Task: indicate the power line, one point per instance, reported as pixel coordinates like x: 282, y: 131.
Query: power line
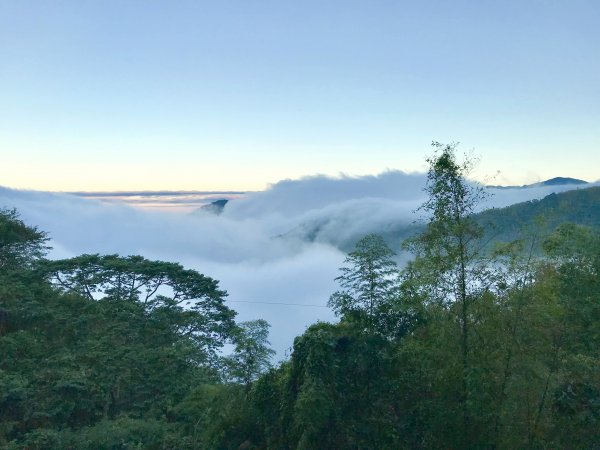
x: 278, y: 303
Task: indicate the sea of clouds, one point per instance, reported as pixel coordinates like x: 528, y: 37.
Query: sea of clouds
x: 280, y: 245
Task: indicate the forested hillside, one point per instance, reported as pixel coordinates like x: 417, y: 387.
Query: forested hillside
x: 469, y: 346
x: 580, y: 206
x: 104, y: 351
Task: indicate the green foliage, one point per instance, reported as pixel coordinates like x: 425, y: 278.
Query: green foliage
x: 574, y: 406
x: 579, y: 206
x: 67, y: 361
x: 191, y: 302
x: 119, y: 434
x: 445, y: 252
x: 448, y: 268
x: 336, y: 392
x: 103, y: 360
x: 20, y: 245
x: 252, y: 355
x: 370, y: 295
x: 219, y: 417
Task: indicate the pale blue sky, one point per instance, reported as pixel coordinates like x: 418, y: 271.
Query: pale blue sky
x: 231, y: 95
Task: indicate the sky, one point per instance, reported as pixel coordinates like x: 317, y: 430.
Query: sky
x: 236, y: 95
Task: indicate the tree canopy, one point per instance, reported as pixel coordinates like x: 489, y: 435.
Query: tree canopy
x: 20, y: 244
x: 193, y: 301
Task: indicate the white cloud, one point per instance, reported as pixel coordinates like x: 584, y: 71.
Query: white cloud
x: 241, y: 247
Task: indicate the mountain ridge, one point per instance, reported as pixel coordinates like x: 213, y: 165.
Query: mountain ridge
x: 556, y: 181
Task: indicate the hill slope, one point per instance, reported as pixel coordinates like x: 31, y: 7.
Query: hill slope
x: 581, y: 206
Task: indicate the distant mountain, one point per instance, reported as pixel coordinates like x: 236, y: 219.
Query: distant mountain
x: 215, y: 207
x: 557, y: 181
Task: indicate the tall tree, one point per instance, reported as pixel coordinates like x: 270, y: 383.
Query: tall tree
x: 449, y: 267
x: 369, y: 283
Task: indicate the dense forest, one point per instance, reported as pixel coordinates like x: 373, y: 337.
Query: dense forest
x: 468, y: 346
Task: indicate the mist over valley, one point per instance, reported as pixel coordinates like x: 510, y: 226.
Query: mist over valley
x: 271, y: 250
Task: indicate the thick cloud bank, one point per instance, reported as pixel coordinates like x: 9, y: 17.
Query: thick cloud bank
x: 338, y: 211
x: 275, y: 246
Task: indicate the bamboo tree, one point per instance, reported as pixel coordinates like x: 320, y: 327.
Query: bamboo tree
x: 449, y: 265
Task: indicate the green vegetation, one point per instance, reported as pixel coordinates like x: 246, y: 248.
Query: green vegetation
x: 581, y: 206
x: 466, y: 347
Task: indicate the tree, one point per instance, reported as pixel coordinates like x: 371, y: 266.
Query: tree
x: 193, y: 301
x: 369, y: 283
x: 449, y: 267
x: 20, y: 244
x: 251, y: 356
